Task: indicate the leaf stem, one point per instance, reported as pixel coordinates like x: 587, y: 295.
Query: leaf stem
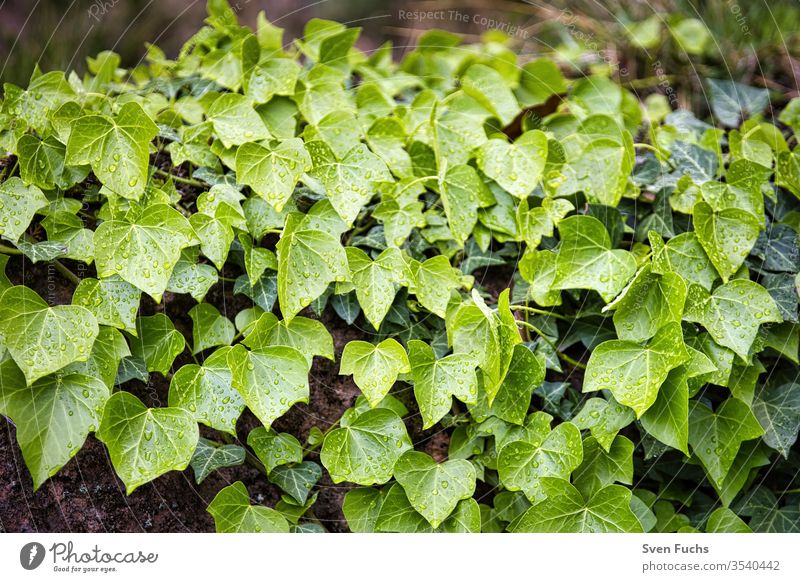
x: 187, y: 181
x: 539, y: 311
x: 550, y: 342
x: 66, y: 273
x: 6, y: 250
x: 646, y: 146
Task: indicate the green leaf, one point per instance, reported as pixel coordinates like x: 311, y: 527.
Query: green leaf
x: 18, y: 204
x: 215, y: 235
x: 727, y: 236
x: 600, y: 467
x: 365, y: 450
x: 543, y: 453
x: 634, y: 372
x: 585, y: 259
x: 715, y: 437
x: 206, y: 391
x: 108, y: 350
x: 210, y: 328
x: 668, y: 418
x: 235, y: 121
x: 270, y: 379
x: 732, y: 102
x: 361, y: 508
x: 488, y: 88
x: 111, y: 300
x: 462, y: 192
x: 158, y: 343
x: 117, y: 148
x: 41, y: 163
x: 567, y: 511
x: 310, y: 257
x: 526, y: 372
x: 144, y: 443
x: 433, y: 282
x: 296, y: 480
x: 684, y: 255
x: 434, y: 489
x: 649, y: 303
x: 43, y: 339
x: 272, y: 172
x: 604, y: 419
x: 733, y: 313
x: 374, y: 367
x: 53, y: 416
x: 273, y: 448
x: 777, y: 409
x: 723, y: 520
x: 538, y: 81
x: 518, y: 166
x: 376, y: 282
x: 210, y: 457
x: 233, y: 513
x: 308, y: 336
x: 143, y: 251
x: 437, y: 381
x: 349, y: 183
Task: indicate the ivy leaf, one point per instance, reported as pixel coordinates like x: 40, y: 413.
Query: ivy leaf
x: 310, y: 257
x: 235, y: 121
x: 731, y: 102
x: 566, y: 511
x: 349, y: 183
x: 111, y: 300
x: 210, y: 457
x: 273, y: 448
x: 53, y: 416
x: 270, y: 379
x: 715, y: 437
x: 668, y: 418
x: 517, y: 167
x: 41, y: 163
x: 297, y: 480
x: 233, y: 513
x: 144, y: 443
x: 650, y: 302
x: 117, y: 148
x: 727, y: 236
x: 143, y: 251
x: 604, y: 419
x: 600, y: 467
x: 437, y: 381
x: 19, y: 204
x: 108, y: 350
x: 732, y: 313
x: 600, y: 169
x: 777, y: 409
x: 526, y: 372
x: 544, y: 453
x: 585, y: 259
x: 158, y: 343
x: 432, y: 283
x: 488, y: 88
x: 365, y: 450
x: 374, y: 367
x: 361, y: 508
x: 308, y: 336
x: 192, y: 277
x: 272, y: 172
x: 210, y: 328
x: 723, y: 520
x: 462, y: 192
x: 684, y: 255
x: 376, y: 281
x: 43, y: 339
x: 434, y: 489
x: 215, y: 235
x: 634, y: 372
x: 206, y: 391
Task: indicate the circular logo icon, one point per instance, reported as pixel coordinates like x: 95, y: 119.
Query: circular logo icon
x: 31, y: 555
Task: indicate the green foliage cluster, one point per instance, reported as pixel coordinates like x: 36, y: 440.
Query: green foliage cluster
x: 639, y: 374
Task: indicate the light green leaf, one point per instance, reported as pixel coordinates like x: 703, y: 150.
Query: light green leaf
x: 488, y: 88
x: 270, y: 379
x: 108, y: 350
x: 723, y: 520
x: 18, y: 205
x: 53, y: 416
x: 600, y: 467
x: 434, y: 489
x: 585, y: 259
x: 566, y: 511
x: 273, y: 448
x: 715, y: 437
x: 158, y: 343
x: 668, y: 418
x: 517, y: 167
x: 374, y: 367
x: 297, y: 480
x: 272, y: 172
x: 365, y: 450
x: 634, y: 372
x: 437, y: 381
x: 210, y: 328
x: 726, y: 236
x: 215, y: 235
x: 361, y: 508
x: 604, y: 419
x: 233, y: 513
x: 143, y: 251
x: 43, y: 339
x: 206, y: 391
x: 111, y: 300
x: 732, y: 313
x: 376, y: 282
x: 41, y: 163
x: 777, y: 409
x: 144, y: 443
x: 235, y: 121
x: 433, y: 282
x: 684, y: 255
x: 117, y: 148
x: 209, y: 457
x: 462, y: 192
x: 544, y: 453
x: 308, y: 336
